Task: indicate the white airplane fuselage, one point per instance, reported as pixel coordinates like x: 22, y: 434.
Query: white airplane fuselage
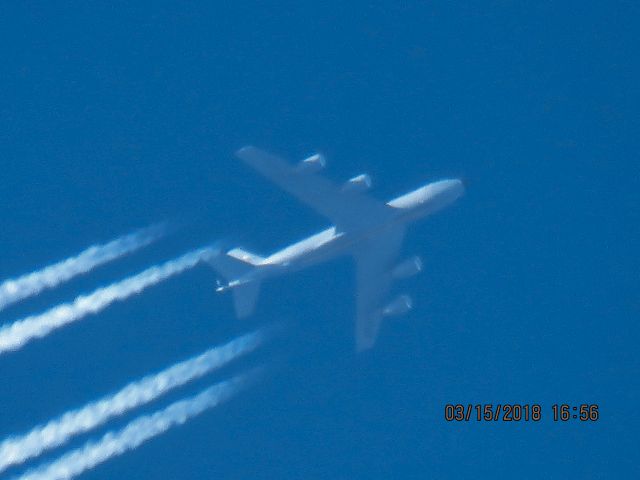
x: 332, y: 242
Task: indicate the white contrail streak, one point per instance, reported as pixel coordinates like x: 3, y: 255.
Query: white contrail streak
x: 17, y: 449
x: 14, y: 290
x: 137, y: 432
x: 17, y: 334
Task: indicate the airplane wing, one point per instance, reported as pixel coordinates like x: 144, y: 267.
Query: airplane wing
x: 347, y: 209
x: 374, y: 263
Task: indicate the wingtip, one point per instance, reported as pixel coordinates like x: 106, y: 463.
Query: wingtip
x: 221, y: 286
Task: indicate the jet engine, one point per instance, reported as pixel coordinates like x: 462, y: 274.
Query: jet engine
x: 313, y: 164
x: 359, y: 183
x: 407, y: 268
x: 399, y: 306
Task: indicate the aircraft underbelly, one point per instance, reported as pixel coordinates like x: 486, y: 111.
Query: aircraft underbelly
x: 317, y: 250
x: 318, y: 253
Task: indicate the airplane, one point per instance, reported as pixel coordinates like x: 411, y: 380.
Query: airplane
x: 368, y: 229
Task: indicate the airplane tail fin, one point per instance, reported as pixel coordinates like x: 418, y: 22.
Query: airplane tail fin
x: 236, y: 266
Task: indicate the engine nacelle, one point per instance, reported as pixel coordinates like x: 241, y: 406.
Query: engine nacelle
x: 408, y: 268
x: 359, y: 183
x: 313, y: 164
x: 399, y: 306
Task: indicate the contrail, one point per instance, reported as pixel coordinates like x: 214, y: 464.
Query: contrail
x: 17, y: 334
x: 140, y: 430
x: 12, y: 291
x: 58, y: 431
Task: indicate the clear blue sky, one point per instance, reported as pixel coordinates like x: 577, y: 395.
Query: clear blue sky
x: 114, y: 116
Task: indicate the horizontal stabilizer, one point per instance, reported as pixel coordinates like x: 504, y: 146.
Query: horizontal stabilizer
x: 235, y: 264
x: 245, y: 256
x: 245, y: 297
x: 236, y: 267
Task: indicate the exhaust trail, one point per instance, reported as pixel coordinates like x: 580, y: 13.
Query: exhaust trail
x: 20, y: 332
x: 14, y: 290
x: 140, y: 430
x: 17, y: 449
